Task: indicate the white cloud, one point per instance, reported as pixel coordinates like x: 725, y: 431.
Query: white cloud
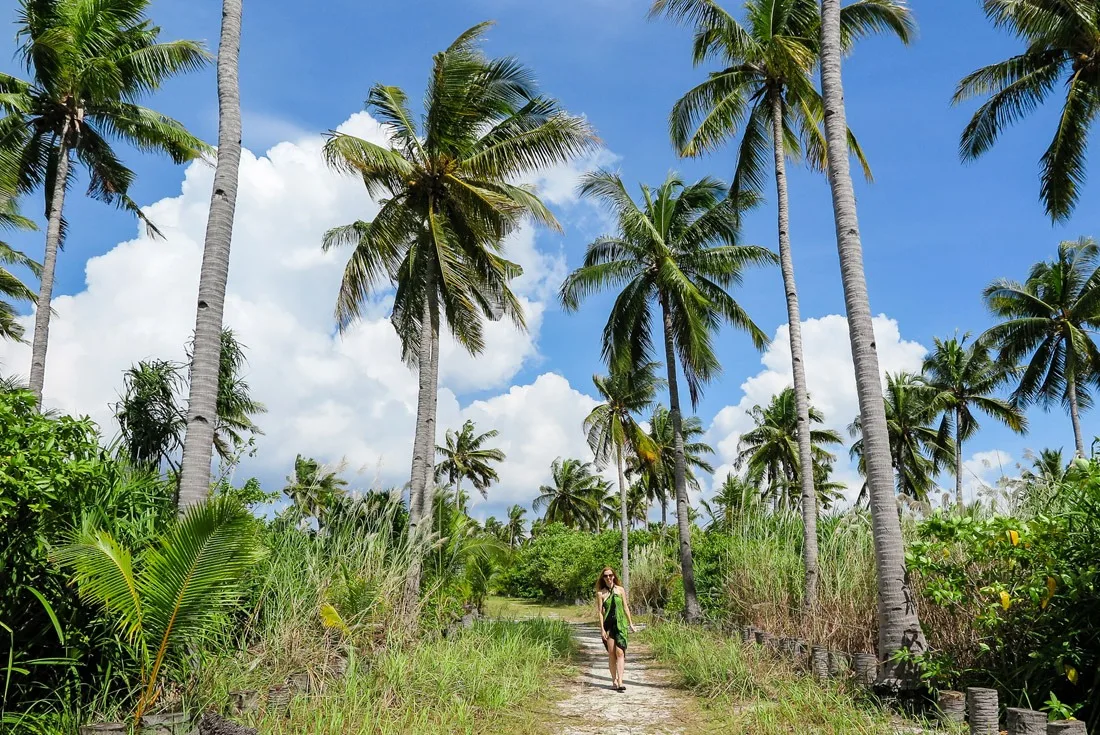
x: 333, y: 397
x: 830, y: 378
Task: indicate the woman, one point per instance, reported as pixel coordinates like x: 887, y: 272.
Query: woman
x: 615, y: 620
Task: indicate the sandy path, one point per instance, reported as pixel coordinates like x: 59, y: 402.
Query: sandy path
x: 651, y: 704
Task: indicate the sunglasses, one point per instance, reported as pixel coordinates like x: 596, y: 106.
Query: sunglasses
x: 609, y: 574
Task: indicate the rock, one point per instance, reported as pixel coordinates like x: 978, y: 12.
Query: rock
x: 212, y: 724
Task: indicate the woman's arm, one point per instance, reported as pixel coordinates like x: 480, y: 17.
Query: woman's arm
x: 599, y: 616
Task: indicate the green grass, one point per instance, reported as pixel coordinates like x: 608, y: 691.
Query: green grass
x: 510, y: 608
x: 747, y: 690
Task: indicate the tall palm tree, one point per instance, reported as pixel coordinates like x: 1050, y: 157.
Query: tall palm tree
x: 1061, y: 56
x: 202, y: 404
x: 1047, y: 322
x: 10, y: 285
x: 966, y: 377
x: 313, y: 489
x: 676, y: 252
x: 771, y: 451
x: 766, y: 91
x: 898, y: 621
x: 89, y: 62
x: 465, y: 457
x: 657, y: 477
x: 613, y: 432
x: 513, y: 527
x: 918, y: 448
x: 572, y: 498
x: 447, y: 204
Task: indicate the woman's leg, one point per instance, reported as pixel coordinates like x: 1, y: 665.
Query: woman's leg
x: 620, y: 664
x: 612, y: 664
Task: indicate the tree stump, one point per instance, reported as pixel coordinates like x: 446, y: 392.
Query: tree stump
x: 748, y: 635
x: 278, y: 698
x: 212, y: 724
x: 244, y: 701
x: 1067, y: 727
x: 763, y: 637
x: 105, y: 728
x: 168, y: 723
x: 298, y: 681
x: 819, y: 662
x: 951, y: 706
x: 1025, y: 721
x: 982, y: 706
x: 865, y: 668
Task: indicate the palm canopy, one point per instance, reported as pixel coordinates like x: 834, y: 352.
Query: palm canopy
x: 656, y: 476
x: 770, y: 450
x: 313, y: 489
x: 676, y: 249
x: 576, y: 496
x: 10, y: 285
x: 465, y: 457
x: 514, y: 526
x: 769, y: 60
x: 611, y: 426
x: 446, y: 192
x: 918, y: 450
x: 1061, y: 57
x: 90, y: 60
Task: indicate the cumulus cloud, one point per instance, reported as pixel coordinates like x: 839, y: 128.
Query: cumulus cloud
x: 330, y: 396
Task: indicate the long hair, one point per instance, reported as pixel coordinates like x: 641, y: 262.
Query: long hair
x: 601, y: 585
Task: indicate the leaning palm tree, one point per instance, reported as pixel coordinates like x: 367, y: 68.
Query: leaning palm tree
x: 1047, y: 321
x: 676, y: 252
x: 313, y: 489
x: 898, y: 622
x: 513, y: 527
x: 89, y: 62
x: 1061, y: 56
x: 966, y: 377
x: 448, y: 201
x: 766, y: 93
x: 465, y: 457
x: 613, y: 433
x: 11, y: 287
x: 571, y: 499
x: 203, y: 404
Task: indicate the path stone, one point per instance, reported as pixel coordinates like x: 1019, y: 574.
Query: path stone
x: 651, y: 704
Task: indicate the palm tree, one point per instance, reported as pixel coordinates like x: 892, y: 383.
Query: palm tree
x: 966, y: 377
x: 1062, y: 52
x: 89, y: 62
x: 10, y: 285
x: 733, y: 495
x: 513, y: 528
x: 572, y: 498
x: 1050, y: 317
x: 898, y: 622
x: 767, y: 91
x: 447, y: 204
x: 466, y: 457
x: 676, y: 252
x: 657, y: 477
x: 771, y: 451
x: 613, y: 432
x: 918, y: 448
x: 313, y: 489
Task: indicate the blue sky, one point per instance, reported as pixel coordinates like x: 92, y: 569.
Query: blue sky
x: 935, y: 231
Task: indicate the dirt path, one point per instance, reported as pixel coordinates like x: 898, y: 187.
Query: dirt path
x: 651, y: 704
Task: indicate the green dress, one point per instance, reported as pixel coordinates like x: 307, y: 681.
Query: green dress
x: 614, y: 619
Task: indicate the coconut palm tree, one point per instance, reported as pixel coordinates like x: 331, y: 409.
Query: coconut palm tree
x: 313, y: 489
x: 613, y: 433
x: 966, y: 377
x: 89, y: 62
x: 572, y: 499
x: 918, y: 448
x: 657, y: 477
x: 676, y: 252
x: 202, y: 403
x: 1048, y: 322
x: 733, y: 495
x: 10, y: 285
x: 766, y: 93
x: 1061, y: 56
x: 465, y: 457
x: 513, y: 527
x: 447, y: 204
x: 898, y: 621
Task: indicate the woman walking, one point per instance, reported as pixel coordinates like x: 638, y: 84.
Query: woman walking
x: 615, y: 620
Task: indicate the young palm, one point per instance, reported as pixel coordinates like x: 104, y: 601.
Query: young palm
x: 771, y: 451
x: 10, y: 285
x: 89, y: 60
x: 918, y: 448
x: 571, y: 499
x: 613, y: 433
x: 513, y: 528
x: 1047, y: 322
x: 465, y: 457
x: 966, y: 376
x: 766, y: 93
x: 898, y: 622
x: 1061, y: 56
x: 677, y: 252
x: 447, y: 204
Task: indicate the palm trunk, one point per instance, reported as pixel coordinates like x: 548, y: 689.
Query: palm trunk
x: 1074, y: 414
x: 458, y: 495
x: 664, y: 511
x: 623, y: 516
x: 433, y: 384
x: 202, y: 402
x: 958, y: 459
x: 898, y: 624
x: 49, y: 267
x: 692, y: 611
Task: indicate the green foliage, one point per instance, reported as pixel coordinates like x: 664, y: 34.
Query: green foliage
x: 10, y: 285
